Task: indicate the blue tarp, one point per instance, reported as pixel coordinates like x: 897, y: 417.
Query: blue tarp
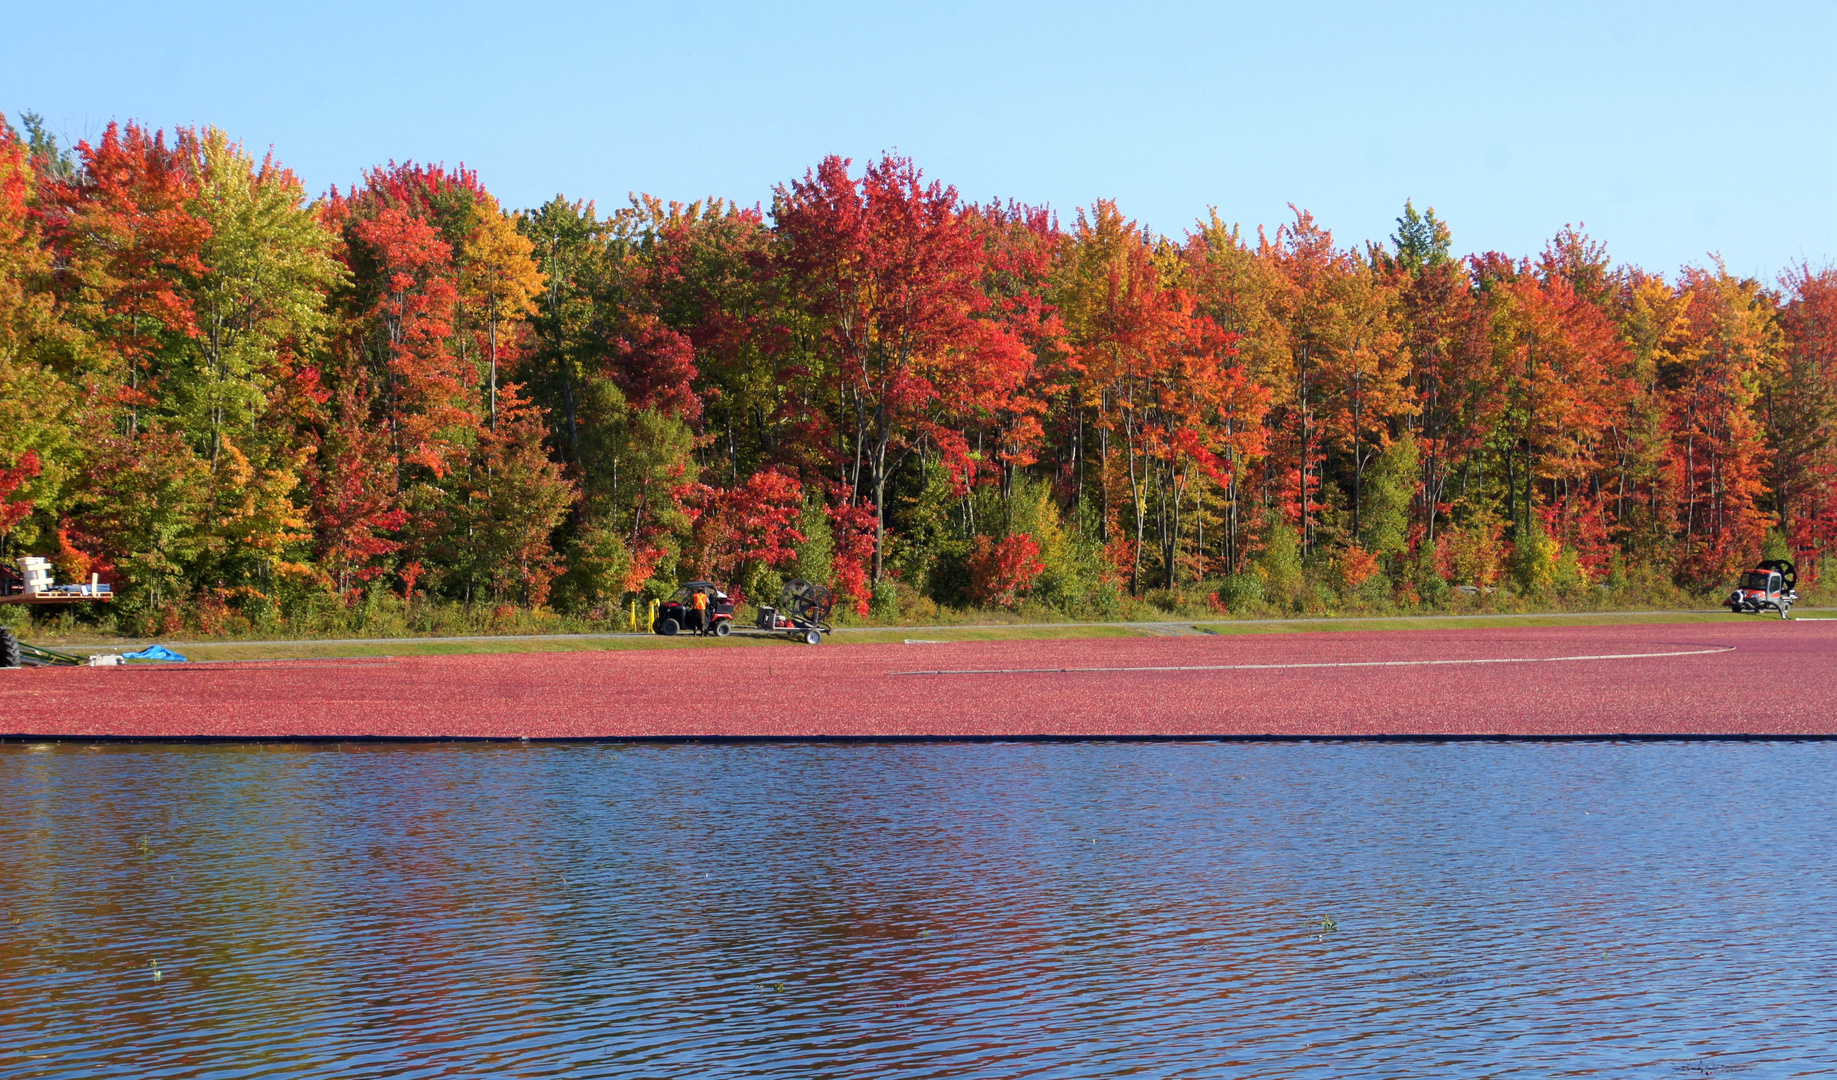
x: 155, y: 652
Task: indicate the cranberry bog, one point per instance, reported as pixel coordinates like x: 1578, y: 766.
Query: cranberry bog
x: 1760, y: 678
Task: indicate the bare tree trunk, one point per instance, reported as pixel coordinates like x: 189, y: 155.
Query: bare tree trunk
x: 494, y: 366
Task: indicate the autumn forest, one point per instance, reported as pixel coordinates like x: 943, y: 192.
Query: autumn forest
x: 251, y: 406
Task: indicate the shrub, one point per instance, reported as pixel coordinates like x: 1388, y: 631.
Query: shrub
x: 1375, y: 590
x: 915, y: 606
x: 1279, y: 563
x: 599, y: 566
x: 1569, y: 575
x: 1472, y: 553
x: 1002, y: 570
x: 1239, y: 591
x: 885, y: 602
x: 1533, y: 560
x: 1430, y: 587
x: 1354, y: 566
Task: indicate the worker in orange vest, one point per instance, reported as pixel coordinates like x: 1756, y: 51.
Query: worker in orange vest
x: 700, y: 600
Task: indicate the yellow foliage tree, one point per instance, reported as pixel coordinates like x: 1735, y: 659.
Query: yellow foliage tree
x: 499, y: 279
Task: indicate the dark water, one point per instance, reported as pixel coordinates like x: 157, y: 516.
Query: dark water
x: 919, y: 910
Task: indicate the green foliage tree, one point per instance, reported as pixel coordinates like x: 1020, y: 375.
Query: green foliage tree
x: 816, y: 550
x: 638, y: 469
x: 140, y: 504
x: 1390, y: 490
x: 1422, y: 241
x: 1279, y: 564
x: 506, y: 502
x: 259, y: 300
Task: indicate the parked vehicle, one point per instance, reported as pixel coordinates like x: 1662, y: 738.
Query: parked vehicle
x: 1770, y: 587
x: 678, y: 613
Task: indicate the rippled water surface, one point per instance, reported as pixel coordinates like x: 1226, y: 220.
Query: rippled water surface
x: 998, y: 910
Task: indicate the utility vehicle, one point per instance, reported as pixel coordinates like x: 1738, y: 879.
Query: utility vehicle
x: 678, y: 613
x: 1770, y: 587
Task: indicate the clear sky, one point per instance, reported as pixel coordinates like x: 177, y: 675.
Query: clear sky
x: 1671, y: 129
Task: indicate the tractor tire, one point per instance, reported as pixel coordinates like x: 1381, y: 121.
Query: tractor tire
x: 722, y: 629
x: 667, y: 627
x: 9, y: 649
x: 813, y: 637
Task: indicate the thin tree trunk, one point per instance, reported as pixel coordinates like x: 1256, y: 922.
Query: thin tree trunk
x: 494, y: 367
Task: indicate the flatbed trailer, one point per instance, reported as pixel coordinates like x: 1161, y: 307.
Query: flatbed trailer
x: 60, y: 597
x: 32, y: 584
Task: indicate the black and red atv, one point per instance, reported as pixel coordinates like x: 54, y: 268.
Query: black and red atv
x: 679, y: 613
x: 1771, y: 586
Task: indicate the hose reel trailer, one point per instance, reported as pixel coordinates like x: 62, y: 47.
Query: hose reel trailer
x: 802, y: 611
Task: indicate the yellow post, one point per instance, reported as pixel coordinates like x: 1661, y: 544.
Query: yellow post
x: 652, y: 625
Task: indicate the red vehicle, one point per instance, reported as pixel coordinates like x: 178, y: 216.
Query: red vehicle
x: 1771, y: 586
x: 678, y: 613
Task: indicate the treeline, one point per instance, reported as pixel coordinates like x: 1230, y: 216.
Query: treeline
x: 239, y: 402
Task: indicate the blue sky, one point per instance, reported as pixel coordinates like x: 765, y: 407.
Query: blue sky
x: 1672, y: 130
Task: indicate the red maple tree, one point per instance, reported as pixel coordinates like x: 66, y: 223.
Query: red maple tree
x: 891, y: 267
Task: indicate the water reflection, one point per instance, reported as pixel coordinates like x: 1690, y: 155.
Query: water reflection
x: 1196, y: 910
